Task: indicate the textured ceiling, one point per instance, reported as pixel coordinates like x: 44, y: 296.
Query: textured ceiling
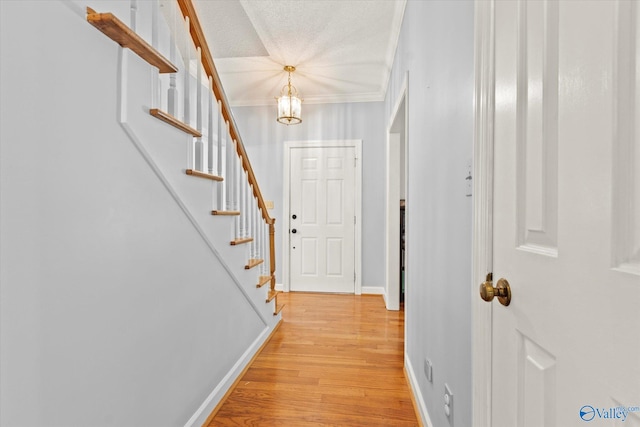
x: 342, y: 49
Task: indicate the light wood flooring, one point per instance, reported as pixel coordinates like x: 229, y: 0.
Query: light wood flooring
x: 335, y: 360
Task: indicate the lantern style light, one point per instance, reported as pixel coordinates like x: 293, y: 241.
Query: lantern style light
x: 289, y: 104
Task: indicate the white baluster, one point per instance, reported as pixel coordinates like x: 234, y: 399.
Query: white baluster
x: 252, y: 221
x: 155, y: 8
x: 155, y: 94
x: 229, y: 176
x: 235, y: 178
x: 258, y: 232
x: 228, y: 173
x: 237, y: 175
x: 210, y: 140
x: 265, y: 252
x: 238, y: 191
x: 262, y: 248
x: 223, y: 138
x: 247, y: 217
x: 254, y: 227
x: 259, y: 254
x: 172, y: 96
x: 134, y: 13
x: 187, y: 73
x: 245, y: 210
x: 199, y: 155
x: 243, y: 205
x: 220, y: 160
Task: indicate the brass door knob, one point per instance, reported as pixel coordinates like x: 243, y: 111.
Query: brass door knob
x: 502, y: 290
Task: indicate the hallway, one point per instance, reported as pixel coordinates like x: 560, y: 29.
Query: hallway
x: 335, y: 360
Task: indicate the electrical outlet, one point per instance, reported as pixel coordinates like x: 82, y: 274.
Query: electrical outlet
x: 448, y: 402
x: 428, y: 370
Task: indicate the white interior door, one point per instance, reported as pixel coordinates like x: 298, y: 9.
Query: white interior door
x: 322, y: 219
x: 566, y: 214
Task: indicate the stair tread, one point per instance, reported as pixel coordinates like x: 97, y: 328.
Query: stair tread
x: 278, y: 309
x: 225, y: 213
x: 173, y: 121
x: 263, y: 280
x: 241, y: 241
x: 117, y: 31
x: 271, y: 295
x: 205, y: 175
x: 253, y: 262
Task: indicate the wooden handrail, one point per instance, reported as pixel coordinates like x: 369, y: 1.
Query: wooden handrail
x: 197, y: 34
x: 117, y: 31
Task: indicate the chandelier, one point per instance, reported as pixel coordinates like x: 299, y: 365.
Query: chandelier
x: 289, y: 104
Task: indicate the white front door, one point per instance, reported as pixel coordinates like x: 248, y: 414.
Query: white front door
x: 322, y: 219
x: 566, y: 214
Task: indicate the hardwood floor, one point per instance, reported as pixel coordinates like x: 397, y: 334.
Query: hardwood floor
x: 335, y: 360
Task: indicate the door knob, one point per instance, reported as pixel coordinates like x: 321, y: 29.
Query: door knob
x: 294, y: 231
x: 502, y: 290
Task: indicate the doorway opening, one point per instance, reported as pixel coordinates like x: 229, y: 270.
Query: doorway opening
x: 396, y: 227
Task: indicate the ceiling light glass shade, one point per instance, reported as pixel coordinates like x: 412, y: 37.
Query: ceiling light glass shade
x: 289, y: 104
x: 289, y: 110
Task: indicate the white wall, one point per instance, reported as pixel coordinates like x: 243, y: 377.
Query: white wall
x: 114, y: 309
x: 264, y: 140
x: 436, y: 48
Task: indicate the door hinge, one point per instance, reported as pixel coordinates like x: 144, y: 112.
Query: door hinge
x: 354, y: 220
x: 355, y: 161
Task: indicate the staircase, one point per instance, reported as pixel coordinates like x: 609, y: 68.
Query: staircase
x: 184, y: 91
x: 135, y: 261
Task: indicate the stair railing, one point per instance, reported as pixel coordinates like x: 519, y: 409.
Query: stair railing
x: 254, y: 219
x: 189, y: 95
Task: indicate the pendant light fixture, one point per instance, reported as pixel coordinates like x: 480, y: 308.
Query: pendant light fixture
x: 289, y: 104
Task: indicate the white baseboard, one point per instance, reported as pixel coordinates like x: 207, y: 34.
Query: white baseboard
x: 369, y: 290
x: 218, y: 393
x: 417, y: 394
x: 373, y: 290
